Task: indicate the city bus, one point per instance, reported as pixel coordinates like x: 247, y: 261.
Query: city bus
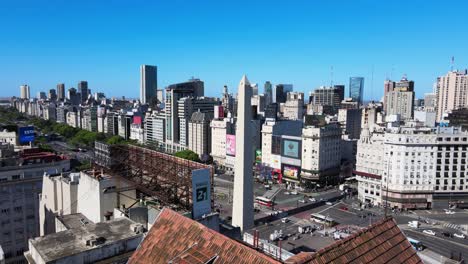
x: 417, y: 245
x: 264, y: 201
x: 324, y: 220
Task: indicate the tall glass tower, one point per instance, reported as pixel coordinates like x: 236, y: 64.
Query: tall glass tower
x: 356, y: 88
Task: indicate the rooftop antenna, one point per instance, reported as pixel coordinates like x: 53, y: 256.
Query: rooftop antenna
x: 372, y: 83
x: 452, y: 62
x: 331, y: 76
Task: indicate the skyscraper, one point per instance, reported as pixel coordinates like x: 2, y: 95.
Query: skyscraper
x: 280, y: 92
x: 356, y: 89
x: 340, y: 90
x: 400, y: 101
x: 452, y: 92
x: 61, y: 91
x: 268, y: 91
x: 52, y: 95
x: 83, y: 90
x: 388, y: 87
x: 24, y: 91
x: 174, y: 92
x: 148, y: 84
x: 242, y: 209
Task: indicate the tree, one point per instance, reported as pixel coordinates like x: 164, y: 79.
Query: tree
x: 115, y: 140
x: 188, y: 155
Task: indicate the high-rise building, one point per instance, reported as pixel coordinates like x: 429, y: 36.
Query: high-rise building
x: 52, y: 95
x: 350, y: 121
x: 41, y: 96
x: 268, y: 91
x: 83, y: 90
x: 330, y: 96
x: 24, y: 91
x: 73, y: 96
x: 452, y: 92
x: 174, y: 92
x: 148, y: 84
x: 400, y: 101
x: 280, y: 92
x: 242, y: 209
x: 61, y: 91
x: 199, y: 133
x: 388, y: 87
x: 356, y: 88
x: 340, y: 89
x: 227, y: 101
x: 294, y: 106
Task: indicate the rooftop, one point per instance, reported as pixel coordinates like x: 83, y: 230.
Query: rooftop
x: 73, y: 221
x: 70, y: 242
x: 382, y: 242
x: 178, y: 239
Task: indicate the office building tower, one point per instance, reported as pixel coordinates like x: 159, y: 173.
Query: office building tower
x: 356, y: 89
x: 148, y: 84
x: 24, y: 91
x: 83, y: 90
x: 61, y: 91
x: 41, y: 96
x: 452, y: 92
x: 52, y: 95
x: 388, y: 87
x: 227, y: 101
x: 268, y: 91
x: 340, y: 90
x: 326, y: 96
x: 174, y: 92
x: 280, y: 92
x: 242, y: 209
x: 199, y: 133
x: 400, y: 101
x: 73, y: 96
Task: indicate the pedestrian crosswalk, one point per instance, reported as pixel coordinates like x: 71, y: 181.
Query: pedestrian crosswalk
x: 453, y: 226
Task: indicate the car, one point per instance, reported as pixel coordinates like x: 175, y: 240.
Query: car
x: 446, y: 234
x: 449, y: 212
x: 268, y: 187
x: 429, y: 232
x: 294, y: 192
x: 344, y: 208
x: 287, y: 193
x: 328, y: 203
x: 284, y: 220
x: 302, y: 201
x: 312, y: 200
x: 459, y: 236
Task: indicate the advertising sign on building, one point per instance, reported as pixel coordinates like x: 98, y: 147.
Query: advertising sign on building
x: 291, y: 148
x: 258, y: 156
x: 201, y: 193
x: 290, y: 171
x: 26, y: 134
x: 231, y: 145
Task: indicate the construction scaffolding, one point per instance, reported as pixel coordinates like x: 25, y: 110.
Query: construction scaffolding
x: 162, y: 176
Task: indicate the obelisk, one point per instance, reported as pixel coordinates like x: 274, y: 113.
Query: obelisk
x: 243, y: 209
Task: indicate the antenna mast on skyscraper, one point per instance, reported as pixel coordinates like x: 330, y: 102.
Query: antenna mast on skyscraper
x: 452, y: 63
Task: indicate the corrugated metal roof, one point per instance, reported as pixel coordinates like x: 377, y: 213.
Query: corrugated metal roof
x: 178, y: 239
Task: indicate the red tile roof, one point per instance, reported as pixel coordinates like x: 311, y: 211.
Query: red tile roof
x: 382, y: 242
x: 179, y: 239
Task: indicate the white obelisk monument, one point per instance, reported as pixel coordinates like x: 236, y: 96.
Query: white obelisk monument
x: 243, y: 209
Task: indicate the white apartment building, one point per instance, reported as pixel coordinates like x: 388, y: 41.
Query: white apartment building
x: 321, y: 154
x: 72, y: 119
x: 137, y: 133
x: 8, y: 137
x: 154, y: 127
x: 293, y: 108
x: 219, y: 130
x: 452, y: 92
x: 199, y: 133
x: 400, y: 103
x: 422, y: 167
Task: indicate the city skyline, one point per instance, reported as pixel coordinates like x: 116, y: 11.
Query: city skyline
x: 362, y: 40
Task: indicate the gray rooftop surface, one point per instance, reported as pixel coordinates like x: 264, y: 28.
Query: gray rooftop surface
x: 66, y: 243
x: 72, y: 221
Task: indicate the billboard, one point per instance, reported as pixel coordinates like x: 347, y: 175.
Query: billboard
x: 258, y: 156
x: 137, y: 120
x: 290, y: 171
x: 26, y: 134
x: 231, y: 145
x: 201, y: 193
x: 291, y: 148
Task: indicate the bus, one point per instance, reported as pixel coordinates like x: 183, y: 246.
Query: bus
x: 324, y: 220
x: 417, y: 245
x: 264, y: 201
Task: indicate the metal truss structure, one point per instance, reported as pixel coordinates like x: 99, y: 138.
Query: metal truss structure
x: 162, y: 176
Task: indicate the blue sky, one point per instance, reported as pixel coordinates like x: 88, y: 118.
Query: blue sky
x: 44, y: 42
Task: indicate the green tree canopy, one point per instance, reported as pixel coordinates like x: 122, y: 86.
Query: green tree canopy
x: 187, y: 154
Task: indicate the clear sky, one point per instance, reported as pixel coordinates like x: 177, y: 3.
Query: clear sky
x: 44, y: 42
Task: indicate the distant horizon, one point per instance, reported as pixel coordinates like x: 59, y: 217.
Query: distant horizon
x: 307, y: 44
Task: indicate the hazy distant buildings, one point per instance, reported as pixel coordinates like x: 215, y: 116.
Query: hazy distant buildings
x: 356, y: 88
x: 327, y: 96
x: 24, y: 91
x: 452, y: 92
x: 61, y: 91
x: 52, y: 95
x: 148, y: 84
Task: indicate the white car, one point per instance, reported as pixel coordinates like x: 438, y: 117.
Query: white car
x: 459, y: 235
x: 329, y: 203
x: 449, y: 212
x: 429, y: 232
x: 294, y: 192
x: 287, y: 193
x: 284, y: 220
x: 302, y: 201
x: 312, y: 200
